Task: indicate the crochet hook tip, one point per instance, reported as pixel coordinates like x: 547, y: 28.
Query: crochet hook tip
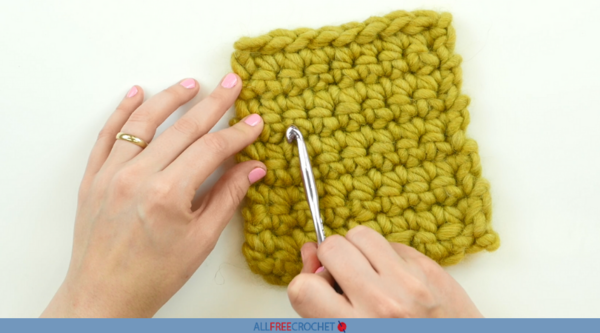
x: 292, y: 133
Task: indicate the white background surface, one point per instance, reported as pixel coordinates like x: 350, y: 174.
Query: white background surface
x: 531, y: 69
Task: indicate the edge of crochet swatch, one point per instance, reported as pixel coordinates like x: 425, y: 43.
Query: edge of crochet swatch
x: 380, y: 107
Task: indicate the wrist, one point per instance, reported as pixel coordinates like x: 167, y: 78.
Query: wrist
x: 64, y: 305
x: 73, y: 300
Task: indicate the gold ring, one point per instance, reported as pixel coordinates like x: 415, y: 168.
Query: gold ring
x: 133, y: 139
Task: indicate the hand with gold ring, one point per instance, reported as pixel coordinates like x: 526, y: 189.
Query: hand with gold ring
x: 139, y: 232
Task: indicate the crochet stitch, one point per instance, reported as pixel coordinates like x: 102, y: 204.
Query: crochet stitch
x: 380, y: 107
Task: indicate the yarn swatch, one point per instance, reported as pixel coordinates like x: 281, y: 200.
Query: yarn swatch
x: 380, y: 108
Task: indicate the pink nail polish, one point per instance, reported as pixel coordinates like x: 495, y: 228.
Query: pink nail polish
x: 229, y: 81
x: 132, y: 91
x: 253, y: 119
x: 188, y: 83
x: 256, y: 174
x: 320, y: 269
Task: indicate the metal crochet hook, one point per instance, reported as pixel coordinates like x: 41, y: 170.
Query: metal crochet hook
x: 310, y: 188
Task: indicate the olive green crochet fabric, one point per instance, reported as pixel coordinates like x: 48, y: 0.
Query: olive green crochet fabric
x: 380, y: 108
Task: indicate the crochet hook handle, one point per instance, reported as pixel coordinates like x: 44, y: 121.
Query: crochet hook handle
x: 310, y: 188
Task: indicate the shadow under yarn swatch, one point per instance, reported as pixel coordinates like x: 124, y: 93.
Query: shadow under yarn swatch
x: 380, y: 107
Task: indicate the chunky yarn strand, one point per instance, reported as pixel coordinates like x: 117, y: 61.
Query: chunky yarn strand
x: 380, y: 107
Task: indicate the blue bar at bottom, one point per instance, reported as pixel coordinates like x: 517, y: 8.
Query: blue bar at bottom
x: 299, y: 325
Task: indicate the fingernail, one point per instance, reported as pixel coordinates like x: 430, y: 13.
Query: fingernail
x: 256, y: 174
x: 253, y: 119
x: 229, y: 81
x: 302, y: 255
x: 320, y: 269
x: 188, y: 83
x: 132, y: 91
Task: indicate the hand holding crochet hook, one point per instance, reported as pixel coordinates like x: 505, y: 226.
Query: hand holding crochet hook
x: 140, y: 233
x: 365, y: 275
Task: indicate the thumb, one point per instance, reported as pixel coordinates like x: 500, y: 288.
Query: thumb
x: 220, y: 203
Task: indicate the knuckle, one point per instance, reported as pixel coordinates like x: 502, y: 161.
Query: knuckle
x: 123, y: 111
x: 140, y: 115
x: 359, y: 231
x: 297, y: 290
x: 158, y: 193
x: 215, y: 143
x: 386, y: 307
x: 421, y: 293
x: 123, y: 181
x: 425, y: 295
x: 329, y: 245
x: 159, y: 197
x: 106, y: 134
x: 427, y: 265
x: 175, y: 93
x: 187, y: 126
x: 218, y: 100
